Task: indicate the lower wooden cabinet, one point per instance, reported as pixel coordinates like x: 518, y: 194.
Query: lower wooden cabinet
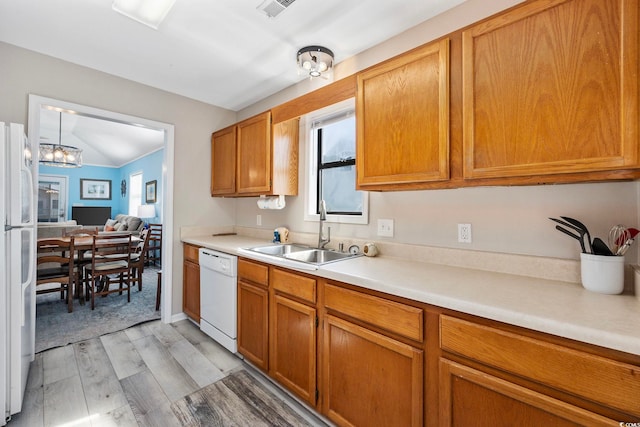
x: 370, y: 379
x: 253, y: 326
x: 191, y: 282
x: 469, y: 397
x: 292, y: 339
x: 293, y: 347
x: 378, y: 361
x: 503, y: 377
x: 253, y: 313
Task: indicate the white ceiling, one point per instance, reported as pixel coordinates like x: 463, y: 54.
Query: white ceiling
x: 103, y: 142
x: 222, y: 52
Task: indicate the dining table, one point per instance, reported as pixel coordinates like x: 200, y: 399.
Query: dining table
x: 82, y: 244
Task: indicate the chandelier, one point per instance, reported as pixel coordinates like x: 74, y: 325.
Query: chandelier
x: 315, y: 60
x: 64, y: 156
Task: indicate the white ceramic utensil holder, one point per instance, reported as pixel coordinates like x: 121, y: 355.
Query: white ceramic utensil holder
x: 603, y: 274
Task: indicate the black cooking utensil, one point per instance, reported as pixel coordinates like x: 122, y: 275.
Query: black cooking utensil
x: 573, y: 227
x: 570, y: 234
x: 601, y: 248
x: 583, y: 227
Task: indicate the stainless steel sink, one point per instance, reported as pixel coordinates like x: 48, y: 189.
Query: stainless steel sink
x: 279, y: 250
x: 301, y: 253
x: 318, y: 256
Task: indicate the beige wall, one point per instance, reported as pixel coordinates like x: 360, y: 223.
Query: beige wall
x: 23, y: 72
x: 504, y: 219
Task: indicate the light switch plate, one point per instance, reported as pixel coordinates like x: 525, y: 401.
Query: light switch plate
x: 385, y: 227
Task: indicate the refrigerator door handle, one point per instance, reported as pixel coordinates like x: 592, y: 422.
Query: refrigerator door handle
x: 29, y: 279
x: 8, y: 227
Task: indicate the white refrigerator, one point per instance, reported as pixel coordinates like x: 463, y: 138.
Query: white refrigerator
x: 17, y: 266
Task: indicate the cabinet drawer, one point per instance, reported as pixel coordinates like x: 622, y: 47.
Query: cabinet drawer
x: 191, y: 253
x: 294, y: 284
x: 603, y: 380
x: 253, y: 272
x: 399, y: 318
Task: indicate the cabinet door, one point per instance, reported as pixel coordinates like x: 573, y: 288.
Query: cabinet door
x: 253, y: 326
x: 223, y: 162
x: 552, y: 87
x: 402, y: 134
x: 370, y: 379
x: 471, y: 397
x: 293, y: 347
x: 253, y: 164
x: 191, y: 290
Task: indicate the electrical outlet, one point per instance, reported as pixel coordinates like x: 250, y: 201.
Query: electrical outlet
x: 464, y: 233
x: 258, y: 219
x: 385, y: 227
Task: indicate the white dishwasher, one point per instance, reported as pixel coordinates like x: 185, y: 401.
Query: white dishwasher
x: 218, y: 297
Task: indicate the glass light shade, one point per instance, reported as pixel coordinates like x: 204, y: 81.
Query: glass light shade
x: 59, y: 155
x: 315, y: 60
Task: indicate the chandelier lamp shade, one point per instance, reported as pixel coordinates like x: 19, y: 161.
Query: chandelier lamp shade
x: 315, y: 60
x: 59, y: 155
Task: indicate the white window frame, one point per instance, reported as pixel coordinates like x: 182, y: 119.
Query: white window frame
x: 311, y: 175
x: 133, y: 209
x: 63, y: 198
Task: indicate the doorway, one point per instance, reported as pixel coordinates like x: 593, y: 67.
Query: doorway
x: 52, y: 198
x: 36, y: 106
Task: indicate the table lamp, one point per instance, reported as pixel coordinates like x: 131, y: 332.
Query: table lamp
x: 146, y: 212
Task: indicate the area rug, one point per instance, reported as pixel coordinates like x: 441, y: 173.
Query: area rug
x: 56, y: 327
x: 236, y: 400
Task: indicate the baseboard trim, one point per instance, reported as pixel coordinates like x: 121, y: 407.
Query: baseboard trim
x: 178, y: 317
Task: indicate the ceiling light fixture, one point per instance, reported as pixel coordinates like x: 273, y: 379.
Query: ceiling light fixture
x: 315, y: 60
x: 63, y: 156
x: 147, y: 12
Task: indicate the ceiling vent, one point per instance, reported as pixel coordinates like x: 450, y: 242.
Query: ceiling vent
x: 273, y: 8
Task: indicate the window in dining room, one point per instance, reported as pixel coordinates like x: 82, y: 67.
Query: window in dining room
x: 52, y: 198
x: 135, y: 192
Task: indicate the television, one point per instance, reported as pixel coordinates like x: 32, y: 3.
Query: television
x: 91, y: 215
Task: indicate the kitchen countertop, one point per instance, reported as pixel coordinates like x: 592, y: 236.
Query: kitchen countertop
x: 559, y: 308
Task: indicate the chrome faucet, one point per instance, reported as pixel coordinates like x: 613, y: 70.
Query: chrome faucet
x: 323, y: 217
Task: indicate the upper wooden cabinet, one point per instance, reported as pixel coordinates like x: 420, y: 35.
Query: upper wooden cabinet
x: 223, y: 162
x: 402, y: 129
x: 552, y: 87
x: 254, y: 158
x: 253, y: 163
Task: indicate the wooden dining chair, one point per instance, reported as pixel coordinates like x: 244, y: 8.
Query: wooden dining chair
x: 81, y: 257
x: 110, y: 256
x: 56, y: 264
x: 138, y: 259
x: 154, y: 250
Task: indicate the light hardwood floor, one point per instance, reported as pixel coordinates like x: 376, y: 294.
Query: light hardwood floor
x: 128, y: 378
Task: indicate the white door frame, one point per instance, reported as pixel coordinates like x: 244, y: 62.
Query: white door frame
x: 64, y: 192
x: 36, y: 102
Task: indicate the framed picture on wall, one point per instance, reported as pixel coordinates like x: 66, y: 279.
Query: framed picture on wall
x: 150, y: 191
x: 95, y: 189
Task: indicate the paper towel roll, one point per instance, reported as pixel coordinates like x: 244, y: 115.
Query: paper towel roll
x: 274, y: 202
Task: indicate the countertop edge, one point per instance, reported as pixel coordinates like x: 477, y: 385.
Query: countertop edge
x: 452, y: 288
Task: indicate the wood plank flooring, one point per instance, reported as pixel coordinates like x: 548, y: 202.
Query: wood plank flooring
x: 128, y: 378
